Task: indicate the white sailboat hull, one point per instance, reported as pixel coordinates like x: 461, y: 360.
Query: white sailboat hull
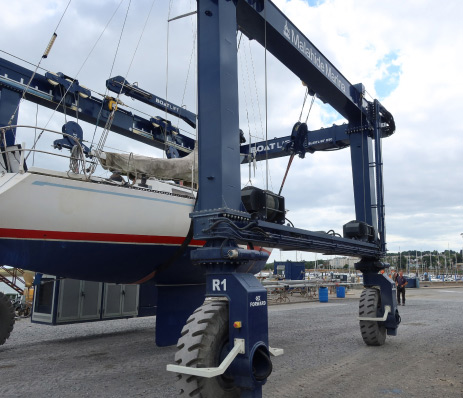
x: 55, y: 224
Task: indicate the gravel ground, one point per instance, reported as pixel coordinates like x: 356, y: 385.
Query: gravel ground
x: 324, y: 354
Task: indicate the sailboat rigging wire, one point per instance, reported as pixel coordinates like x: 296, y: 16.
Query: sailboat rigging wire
x: 99, y: 37
x: 107, y: 127
x: 310, y: 108
x: 62, y: 16
x: 120, y: 38
x: 78, y: 72
x: 106, y: 92
x: 110, y: 120
x: 266, y: 97
x: 255, y: 87
x: 245, y: 87
x: 35, y: 131
x: 250, y: 95
x: 249, y: 150
x: 189, y: 64
x: 258, y: 108
x: 249, y: 157
x: 303, y: 103
x: 182, y: 16
x: 139, y: 39
x: 35, y: 71
x: 239, y: 40
x: 23, y: 60
x: 167, y: 75
x: 247, y: 114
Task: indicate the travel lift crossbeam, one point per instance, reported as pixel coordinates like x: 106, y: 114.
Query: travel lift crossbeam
x: 48, y: 90
x: 64, y: 94
x: 222, y: 216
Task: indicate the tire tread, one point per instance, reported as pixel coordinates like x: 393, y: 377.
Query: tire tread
x: 373, y: 333
x: 194, y: 350
x: 7, y: 318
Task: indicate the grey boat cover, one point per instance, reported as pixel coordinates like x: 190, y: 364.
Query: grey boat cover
x: 164, y: 169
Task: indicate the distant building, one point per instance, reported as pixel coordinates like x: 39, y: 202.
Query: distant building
x: 340, y: 262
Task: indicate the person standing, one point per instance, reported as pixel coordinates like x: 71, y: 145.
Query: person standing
x: 401, y: 282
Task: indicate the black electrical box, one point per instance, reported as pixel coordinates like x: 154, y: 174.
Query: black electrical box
x: 359, y: 230
x: 264, y: 205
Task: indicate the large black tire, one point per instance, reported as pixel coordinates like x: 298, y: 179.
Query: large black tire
x: 203, y: 344
x: 6, y: 318
x: 373, y: 333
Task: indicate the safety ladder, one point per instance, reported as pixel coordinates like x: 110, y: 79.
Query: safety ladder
x: 13, y: 272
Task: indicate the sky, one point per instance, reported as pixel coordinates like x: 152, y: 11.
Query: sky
x: 407, y: 54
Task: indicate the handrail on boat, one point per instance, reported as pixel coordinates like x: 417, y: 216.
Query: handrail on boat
x: 81, y: 158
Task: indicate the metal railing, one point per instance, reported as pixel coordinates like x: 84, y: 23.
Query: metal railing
x: 78, y: 164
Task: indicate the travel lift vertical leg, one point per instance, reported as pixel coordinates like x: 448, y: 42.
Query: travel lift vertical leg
x: 235, y: 311
x: 378, y: 314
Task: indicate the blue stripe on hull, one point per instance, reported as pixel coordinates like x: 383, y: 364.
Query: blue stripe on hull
x: 103, y: 262
x: 111, y: 193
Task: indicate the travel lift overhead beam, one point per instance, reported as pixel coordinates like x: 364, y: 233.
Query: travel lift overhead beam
x: 47, y: 90
x: 222, y: 216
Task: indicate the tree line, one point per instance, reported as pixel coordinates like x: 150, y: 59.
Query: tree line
x: 424, y: 259
x: 407, y: 259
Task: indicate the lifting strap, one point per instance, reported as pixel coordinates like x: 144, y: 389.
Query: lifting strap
x: 287, y: 169
x: 296, y: 146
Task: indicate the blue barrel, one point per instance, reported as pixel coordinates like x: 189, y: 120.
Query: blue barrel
x: 341, y: 292
x: 323, y: 294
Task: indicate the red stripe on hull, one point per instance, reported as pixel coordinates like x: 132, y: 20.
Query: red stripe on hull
x: 94, y: 237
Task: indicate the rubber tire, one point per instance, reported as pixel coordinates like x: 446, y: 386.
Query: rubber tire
x: 7, y: 318
x: 373, y: 333
x: 200, y: 346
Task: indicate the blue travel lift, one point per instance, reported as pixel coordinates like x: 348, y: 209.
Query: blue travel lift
x: 223, y: 349
x: 231, y: 328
